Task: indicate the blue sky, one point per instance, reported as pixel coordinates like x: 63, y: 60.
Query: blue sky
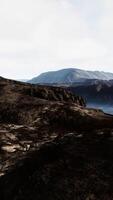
x: 44, y: 35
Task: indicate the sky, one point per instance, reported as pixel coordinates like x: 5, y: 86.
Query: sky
x: 44, y: 35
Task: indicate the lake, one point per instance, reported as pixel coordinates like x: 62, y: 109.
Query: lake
x: 106, y: 108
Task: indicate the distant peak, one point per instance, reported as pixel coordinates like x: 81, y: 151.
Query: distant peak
x: 70, y: 75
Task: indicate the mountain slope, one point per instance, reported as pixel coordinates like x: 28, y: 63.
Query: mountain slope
x: 95, y: 91
x: 69, y: 76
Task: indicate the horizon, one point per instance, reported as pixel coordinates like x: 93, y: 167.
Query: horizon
x: 61, y: 70
x: 48, y: 34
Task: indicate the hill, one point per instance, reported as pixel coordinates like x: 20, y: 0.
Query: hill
x: 95, y: 91
x: 69, y: 76
x: 52, y: 146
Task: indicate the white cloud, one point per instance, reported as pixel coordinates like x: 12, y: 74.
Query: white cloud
x: 40, y: 35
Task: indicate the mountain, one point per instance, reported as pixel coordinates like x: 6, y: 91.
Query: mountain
x: 69, y: 76
x: 95, y: 91
x: 52, y: 146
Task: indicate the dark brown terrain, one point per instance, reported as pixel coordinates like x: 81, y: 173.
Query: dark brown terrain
x: 51, y: 146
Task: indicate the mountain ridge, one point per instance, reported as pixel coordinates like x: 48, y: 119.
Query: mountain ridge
x: 70, y: 75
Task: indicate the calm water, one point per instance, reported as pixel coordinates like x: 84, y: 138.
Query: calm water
x: 105, y: 108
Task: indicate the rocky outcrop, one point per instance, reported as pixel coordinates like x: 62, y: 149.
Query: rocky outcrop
x: 22, y: 103
x: 53, y: 94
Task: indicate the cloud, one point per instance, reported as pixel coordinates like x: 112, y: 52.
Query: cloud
x: 41, y: 35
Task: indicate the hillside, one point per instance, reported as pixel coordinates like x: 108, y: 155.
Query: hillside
x: 52, y: 146
x: 95, y: 91
x: 69, y: 76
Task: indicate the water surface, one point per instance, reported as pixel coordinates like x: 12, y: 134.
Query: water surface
x: 106, y: 108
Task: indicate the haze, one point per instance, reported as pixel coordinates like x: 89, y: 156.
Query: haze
x: 44, y: 35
